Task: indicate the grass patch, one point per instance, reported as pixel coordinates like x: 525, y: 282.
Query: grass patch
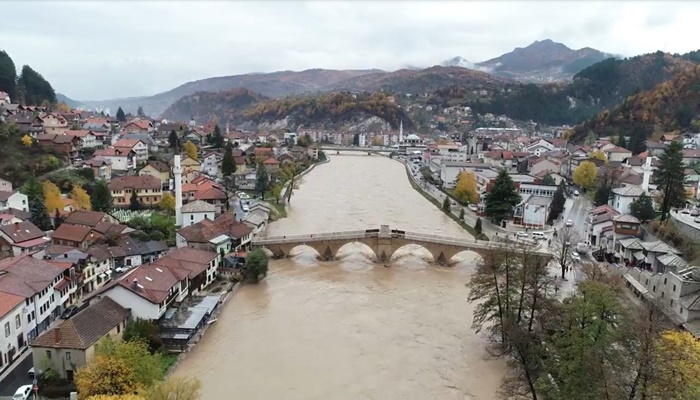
x: 280, y: 208
x: 438, y: 204
x: 167, y: 360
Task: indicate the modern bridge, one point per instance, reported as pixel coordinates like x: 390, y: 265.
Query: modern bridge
x: 384, y: 242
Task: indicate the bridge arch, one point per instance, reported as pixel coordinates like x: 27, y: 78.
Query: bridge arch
x: 355, y: 247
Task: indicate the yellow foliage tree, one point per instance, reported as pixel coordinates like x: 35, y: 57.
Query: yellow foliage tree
x: 167, y: 203
x: 191, y: 150
x: 598, y: 155
x: 466, y: 190
x: 27, y: 140
x: 63, y: 107
x: 117, y: 397
x: 442, y: 140
x: 677, y: 366
x: 52, y: 197
x: 585, y: 175
x: 175, y: 388
x: 81, y: 199
x: 378, y: 140
x: 108, y: 376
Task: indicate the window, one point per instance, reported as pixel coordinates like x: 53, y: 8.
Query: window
x: 654, y: 289
x: 68, y: 356
x: 7, y: 329
x: 662, y: 295
x: 665, y: 280
x: 119, y: 328
x: 18, y: 321
x: 674, y: 288
x: 48, y: 354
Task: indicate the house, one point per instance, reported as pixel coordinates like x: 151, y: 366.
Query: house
x: 222, y: 235
x: 211, y: 164
x: 539, y: 146
x: 148, y: 189
x: 138, y: 126
x: 21, y: 238
x: 157, y: 169
x: 257, y: 217
x: 28, y: 123
x: 71, y: 345
x: 197, y: 211
x: 135, y: 145
x: 532, y: 211
x: 617, y: 154
x: 101, y: 167
x: 599, y: 224
x: 65, y: 144
x: 653, y: 255
x: 12, y: 215
x: 150, y: 289
x: 187, y: 164
x: 54, y: 124
x: 4, y: 98
x: 15, y: 200
x: 87, y: 138
x: 205, y: 189
x: 691, y: 157
x: 120, y: 160
x: 545, y: 165
x: 5, y: 185
x: 77, y: 236
x: 13, y: 342
x: 272, y: 165
x: 90, y: 219
x: 147, y: 139
x: 33, y: 280
x: 655, y: 148
x: 624, y: 196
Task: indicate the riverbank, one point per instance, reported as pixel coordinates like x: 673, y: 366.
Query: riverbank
x: 280, y: 206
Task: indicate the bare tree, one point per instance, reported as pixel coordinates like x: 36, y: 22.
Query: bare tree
x: 563, y: 246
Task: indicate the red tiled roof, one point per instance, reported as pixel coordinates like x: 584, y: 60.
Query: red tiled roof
x: 271, y: 161
x: 8, y: 302
x: 22, y: 232
x: 210, y: 194
x: 112, y: 152
x: 135, y: 182
x: 26, y: 275
x: 127, y: 143
x: 73, y: 233
x: 86, y: 218
x: 79, y: 133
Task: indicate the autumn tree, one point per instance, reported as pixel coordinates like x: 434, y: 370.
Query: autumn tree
x: 101, y: 199
x: 670, y: 178
x: 676, y: 367
x: 598, y: 155
x: 27, y: 140
x: 503, y: 197
x: 167, y: 203
x: 466, y: 190
x: 144, y: 330
x: 80, y: 198
x: 121, y: 117
x: 136, y: 355
x: 643, y: 208
x: 52, y: 196
x: 107, y: 376
x: 176, y: 388
x: 585, y: 175
x: 191, y: 150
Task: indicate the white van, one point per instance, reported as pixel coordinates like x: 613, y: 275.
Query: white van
x: 539, y: 236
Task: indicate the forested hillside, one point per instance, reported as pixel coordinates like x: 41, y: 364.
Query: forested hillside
x: 330, y: 109
x: 227, y: 106
x: 673, y: 105
x: 29, y: 88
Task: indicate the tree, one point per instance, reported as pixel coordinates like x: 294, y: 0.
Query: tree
x: 136, y: 355
x: 108, y: 376
x: 503, y: 197
x: 590, y: 139
x: 80, y: 197
x: 191, y: 150
x: 175, y: 388
x: 8, y: 75
x: 101, y: 199
x: 121, y: 117
x: 33, y: 88
x: 33, y: 190
x: 140, y: 113
x: 477, y: 227
x: 52, y: 196
x: 217, y: 139
x: 558, y: 202
x: 144, y: 330
x: 173, y: 140
x: 134, y: 203
x: 461, y: 214
x: 602, y: 195
x: 276, y: 192
x: 255, y: 266
x: 564, y: 244
x: 670, y: 178
x: 621, y: 141
x: 57, y: 220
x: 585, y: 175
x: 466, y: 190
x: 27, y: 140
x: 598, y: 155
x: 548, y: 180
x: 228, y: 165
x: 446, y: 204
x: 38, y: 214
x: 290, y: 175
x: 677, y: 366
x: 643, y: 208
x: 637, y: 143
x: 262, y: 180
x: 167, y: 203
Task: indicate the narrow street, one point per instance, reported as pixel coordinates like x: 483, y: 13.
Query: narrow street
x: 17, y: 377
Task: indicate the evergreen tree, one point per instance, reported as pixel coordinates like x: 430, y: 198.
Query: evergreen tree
x: 503, y: 197
x: 477, y: 227
x: 548, y: 180
x: 38, y: 215
x: 33, y: 189
x: 621, y: 141
x: 101, y: 199
x: 670, y: 178
x: 8, y: 75
x: 461, y: 214
x: 602, y: 195
x: 558, y: 202
x: 121, y: 117
x: 217, y: 140
x: 446, y: 204
x: 57, y: 219
x: 34, y: 89
x: 262, y: 180
x: 228, y: 165
x: 140, y: 113
x: 134, y: 203
x: 637, y: 143
x: 174, y: 140
x: 643, y: 208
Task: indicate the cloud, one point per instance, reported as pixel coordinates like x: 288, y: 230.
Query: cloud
x: 98, y: 50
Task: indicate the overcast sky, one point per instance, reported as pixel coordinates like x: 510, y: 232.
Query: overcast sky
x: 92, y: 50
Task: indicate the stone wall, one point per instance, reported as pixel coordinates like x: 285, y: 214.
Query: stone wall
x: 686, y: 229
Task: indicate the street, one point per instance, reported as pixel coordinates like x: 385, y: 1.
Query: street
x: 17, y: 377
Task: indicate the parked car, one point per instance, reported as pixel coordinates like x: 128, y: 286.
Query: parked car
x: 569, y: 222
x: 539, y: 236
x: 695, y: 212
x: 685, y: 211
x: 576, y: 193
x: 473, y: 207
x: 244, y: 206
x: 575, y: 256
x: 521, y: 235
x: 23, y: 392
x: 697, y: 219
x: 69, y: 312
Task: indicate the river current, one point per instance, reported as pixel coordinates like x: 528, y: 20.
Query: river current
x: 351, y: 328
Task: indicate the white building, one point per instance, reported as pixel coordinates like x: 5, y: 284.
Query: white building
x: 13, y: 340
x: 532, y: 211
x: 599, y: 223
x: 5, y: 186
x: 197, y: 211
x: 15, y: 200
x: 211, y: 164
x: 624, y: 196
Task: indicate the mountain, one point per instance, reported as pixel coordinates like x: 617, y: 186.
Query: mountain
x: 598, y: 87
x: 62, y: 98
x: 273, y: 84
x: 227, y: 106
x: 670, y: 106
x: 544, y: 60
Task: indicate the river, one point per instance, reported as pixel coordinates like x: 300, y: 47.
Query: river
x: 351, y: 329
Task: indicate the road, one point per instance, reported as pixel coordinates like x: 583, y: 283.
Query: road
x: 17, y: 377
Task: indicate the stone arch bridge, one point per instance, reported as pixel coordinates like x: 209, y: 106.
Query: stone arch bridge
x: 383, y: 241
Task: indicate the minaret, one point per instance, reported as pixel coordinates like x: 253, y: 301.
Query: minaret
x: 177, y: 175
x: 401, y: 132
x: 647, y: 173
x: 227, y: 128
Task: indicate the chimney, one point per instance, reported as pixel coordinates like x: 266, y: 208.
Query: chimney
x: 135, y: 283
x: 57, y: 335
x: 16, y: 226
